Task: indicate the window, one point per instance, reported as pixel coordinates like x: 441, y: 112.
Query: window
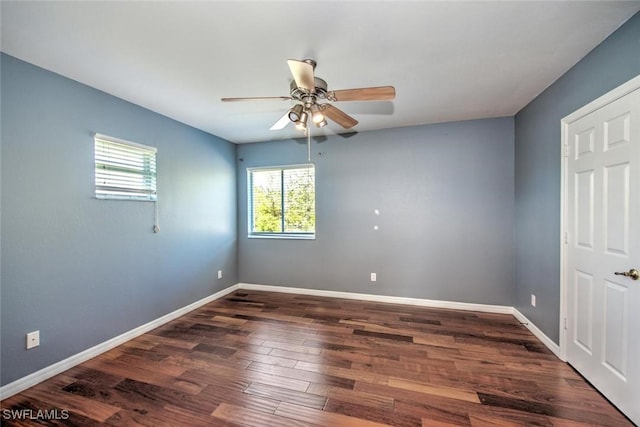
x: 282, y: 202
x: 124, y: 170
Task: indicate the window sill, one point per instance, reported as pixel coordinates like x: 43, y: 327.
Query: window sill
x: 283, y: 236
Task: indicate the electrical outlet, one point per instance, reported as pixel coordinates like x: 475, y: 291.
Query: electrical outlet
x: 219, y: 274
x: 33, y: 339
x: 374, y: 277
x: 533, y: 300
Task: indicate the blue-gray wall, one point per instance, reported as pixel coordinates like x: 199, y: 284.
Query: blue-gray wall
x: 445, y: 196
x: 83, y: 270
x: 537, y: 165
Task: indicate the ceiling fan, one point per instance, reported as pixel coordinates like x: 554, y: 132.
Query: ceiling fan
x: 309, y: 90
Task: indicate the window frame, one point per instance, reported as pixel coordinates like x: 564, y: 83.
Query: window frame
x: 250, y: 215
x: 148, y: 192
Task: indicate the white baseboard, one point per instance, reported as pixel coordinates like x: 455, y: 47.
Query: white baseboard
x: 381, y: 298
x: 555, y: 348
x: 68, y: 363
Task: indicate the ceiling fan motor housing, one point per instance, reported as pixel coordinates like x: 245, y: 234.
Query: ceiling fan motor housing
x: 319, y: 91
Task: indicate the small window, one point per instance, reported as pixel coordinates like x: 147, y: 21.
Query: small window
x: 124, y: 170
x: 282, y: 202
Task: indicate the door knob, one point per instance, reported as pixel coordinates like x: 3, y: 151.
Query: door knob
x: 633, y: 273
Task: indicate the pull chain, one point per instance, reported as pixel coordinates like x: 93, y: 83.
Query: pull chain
x: 309, y: 145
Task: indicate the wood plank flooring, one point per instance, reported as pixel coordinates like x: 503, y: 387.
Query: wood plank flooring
x: 268, y: 359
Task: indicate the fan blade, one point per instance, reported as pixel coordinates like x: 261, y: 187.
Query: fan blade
x: 258, y: 98
x: 280, y: 124
x: 382, y: 93
x: 302, y: 73
x: 339, y: 116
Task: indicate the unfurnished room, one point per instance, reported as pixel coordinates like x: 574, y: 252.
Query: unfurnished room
x: 330, y: 213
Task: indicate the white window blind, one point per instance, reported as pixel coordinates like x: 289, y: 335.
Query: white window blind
x: 282, y: 201
x: 124, y: 170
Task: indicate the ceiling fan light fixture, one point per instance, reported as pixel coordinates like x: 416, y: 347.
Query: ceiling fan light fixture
x: 301, y: 123
x: 316, y: 115
x: 295, y: 113
x: 321, y: 123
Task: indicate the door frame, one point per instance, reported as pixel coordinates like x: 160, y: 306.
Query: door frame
x: 565, y: 222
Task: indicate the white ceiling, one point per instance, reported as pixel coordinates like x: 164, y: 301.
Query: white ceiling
x: 448, y: 60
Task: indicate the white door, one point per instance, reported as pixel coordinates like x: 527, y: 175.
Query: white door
x: 602, y: 222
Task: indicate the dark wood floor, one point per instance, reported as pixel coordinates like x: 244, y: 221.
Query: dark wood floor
x: 269, y: 359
